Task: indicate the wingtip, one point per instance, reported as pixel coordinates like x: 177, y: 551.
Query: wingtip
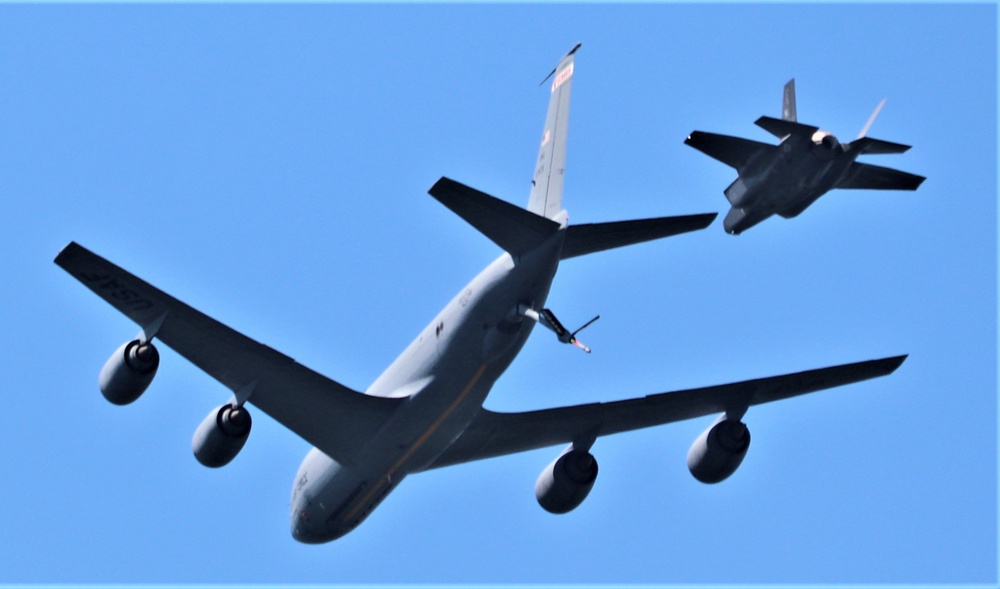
x: 442, y: 183
x: 66, y: 251
x: 894, y: 362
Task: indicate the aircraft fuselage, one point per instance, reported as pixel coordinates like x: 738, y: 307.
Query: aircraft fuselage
x: 446, y: 374
x: 787, y: 181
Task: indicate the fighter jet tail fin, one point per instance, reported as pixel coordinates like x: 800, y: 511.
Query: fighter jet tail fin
x: 871, y: 119
x: 782, y: 128
x: 788, y: 112
x: 512, y: 228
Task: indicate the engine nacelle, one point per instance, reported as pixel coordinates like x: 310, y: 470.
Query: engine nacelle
x: 221, y: 436
x: 718, y: 451
x: 566, y: 482
x: 128, y: 372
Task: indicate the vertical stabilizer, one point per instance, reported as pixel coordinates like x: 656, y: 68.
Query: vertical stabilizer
x: 871, y: 119
x: 788, y: 112
x: 547, y: 184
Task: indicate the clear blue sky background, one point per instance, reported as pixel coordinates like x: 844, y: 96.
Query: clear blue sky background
x: 269, y: 165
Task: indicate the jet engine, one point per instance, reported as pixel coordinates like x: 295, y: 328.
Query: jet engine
x: 221, y: 436
x: 719, y: 451
x: 567, y: 481
x: 128, y: 372
x: 825, y: 145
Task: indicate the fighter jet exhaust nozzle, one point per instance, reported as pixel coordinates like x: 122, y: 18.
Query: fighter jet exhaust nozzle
x: 128, y: 372
x: 566, y: 481
x: 221, y: 436
x: 719, y: 451
x: 826, y: 145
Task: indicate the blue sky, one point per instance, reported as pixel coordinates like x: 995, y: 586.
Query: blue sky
x: 269, y: 166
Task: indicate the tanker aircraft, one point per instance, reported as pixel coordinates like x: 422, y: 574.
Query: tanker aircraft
x: 806, y: 164
x: 426, y: 410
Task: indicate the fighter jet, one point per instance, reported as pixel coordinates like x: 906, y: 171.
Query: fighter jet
x: 426, y: 410
x: 785, y: 179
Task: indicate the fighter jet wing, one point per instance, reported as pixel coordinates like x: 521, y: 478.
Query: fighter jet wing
x: 732, y: 151
x: 496, y: 434
x: 878, y: 178
x: 325, y: 413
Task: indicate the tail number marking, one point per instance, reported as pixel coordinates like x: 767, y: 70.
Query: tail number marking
x: 562, y: 77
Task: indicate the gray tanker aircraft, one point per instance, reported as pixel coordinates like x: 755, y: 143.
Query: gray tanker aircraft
x: 806, y: 164
x: 426, y: 410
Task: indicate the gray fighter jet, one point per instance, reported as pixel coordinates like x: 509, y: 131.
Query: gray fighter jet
x: 426, y: 410
x: 785, y: 179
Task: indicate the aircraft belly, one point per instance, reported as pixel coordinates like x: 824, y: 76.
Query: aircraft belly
x: 445, y: 376
x: 790, y: 184
x: 341, y: 497
x: 322, y: 492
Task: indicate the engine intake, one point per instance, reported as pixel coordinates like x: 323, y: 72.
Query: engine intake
x: 128, y: 372
x: 221, y: 436
x: 719, y: 451
x: 566, y: 482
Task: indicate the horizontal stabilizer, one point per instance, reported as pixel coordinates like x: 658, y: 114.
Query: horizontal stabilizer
x: 877, y: 146
x: 597, y: 237
x: 780, y: 128
x: 867, y: 176
x: 732, y: 151
x: 514, y: 229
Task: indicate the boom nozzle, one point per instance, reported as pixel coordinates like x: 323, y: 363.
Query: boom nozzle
x: 547, y: 318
